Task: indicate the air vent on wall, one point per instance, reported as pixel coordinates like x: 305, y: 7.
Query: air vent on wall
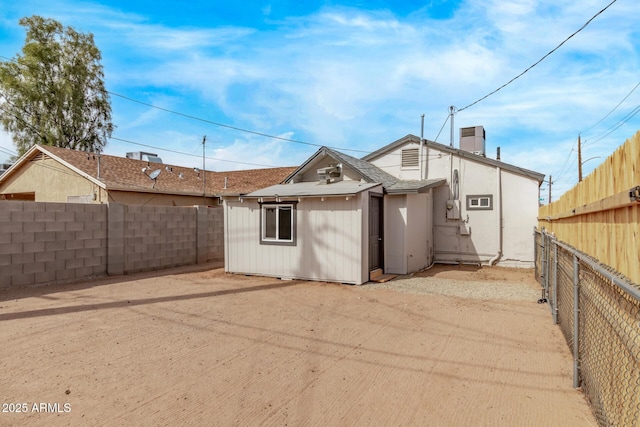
x: 410, y: 158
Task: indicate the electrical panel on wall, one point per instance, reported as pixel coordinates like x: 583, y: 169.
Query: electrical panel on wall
x: 453, y: 209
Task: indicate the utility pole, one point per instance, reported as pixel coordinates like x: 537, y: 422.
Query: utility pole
x: 451, y: 109
x: 579, y: 160
x: 204, y: 174
x: 550, y: 182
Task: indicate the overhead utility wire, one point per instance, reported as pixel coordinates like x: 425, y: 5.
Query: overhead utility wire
x: 617, y: 125
x: 540, y: 60
x: 188, y: 154
x: 443, y: 125
x: 233, y: 127
x: 614, y: 109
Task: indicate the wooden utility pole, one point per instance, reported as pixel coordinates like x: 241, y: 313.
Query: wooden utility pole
x: 550, y: 182
x: 204, y: 174
x: 579, y: 160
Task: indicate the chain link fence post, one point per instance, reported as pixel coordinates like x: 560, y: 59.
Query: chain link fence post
x: 576, y: 322
x: 554, y: 302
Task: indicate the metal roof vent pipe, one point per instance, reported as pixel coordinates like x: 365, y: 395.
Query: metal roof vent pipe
x: 498, y: 154
x: 225, y: 182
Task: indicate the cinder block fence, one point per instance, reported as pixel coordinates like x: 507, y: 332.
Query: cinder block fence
x: 49, y: 242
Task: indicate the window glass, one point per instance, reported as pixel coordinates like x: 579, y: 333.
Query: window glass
x: 278, y: 224
x: 480, y: 202
x: 270, y: 223
x: 284, y: 222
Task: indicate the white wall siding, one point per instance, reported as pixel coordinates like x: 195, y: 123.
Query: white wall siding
x: 520, y: 216
x: 395, y: 212
x: 418, y: 237
x: 391, y: 163
x: 519, y: 212
x: 328, y: 246
x: 408, y: 233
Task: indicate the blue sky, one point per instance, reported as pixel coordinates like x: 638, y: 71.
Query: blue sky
x: 357, y: 75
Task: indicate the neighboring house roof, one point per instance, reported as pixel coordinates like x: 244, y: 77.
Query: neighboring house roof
x: 368, y: 172
x: 301, y: 189
x: 465, y: 154
x: 124, y: 174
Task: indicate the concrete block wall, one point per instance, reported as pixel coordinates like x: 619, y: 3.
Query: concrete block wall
x: 215, y: 234
x: 158, y: 237
x: 48, y: 242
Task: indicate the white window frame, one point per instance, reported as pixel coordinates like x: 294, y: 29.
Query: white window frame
x: 479, y: 205
x: 263, y: 224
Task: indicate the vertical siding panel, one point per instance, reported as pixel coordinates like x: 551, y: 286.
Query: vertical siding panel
x: 337, y: 232
x: 334, y: 268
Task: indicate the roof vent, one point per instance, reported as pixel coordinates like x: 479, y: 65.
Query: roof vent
x: 472, y: 139
x: 325, y: 174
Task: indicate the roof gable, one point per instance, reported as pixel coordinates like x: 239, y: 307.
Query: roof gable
x: 412, y: 139
x: 366, y: 171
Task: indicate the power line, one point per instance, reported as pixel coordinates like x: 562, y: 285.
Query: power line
x: 614, y: 108
x: 443, y: 125
x: 616, y: 125
x: 239, y: 129
x: 540, y: 60
x: 189, y: 154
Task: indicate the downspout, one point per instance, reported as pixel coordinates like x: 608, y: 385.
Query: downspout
x: 497, y: 256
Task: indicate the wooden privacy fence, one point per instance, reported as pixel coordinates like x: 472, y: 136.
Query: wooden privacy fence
x: 600, y: 216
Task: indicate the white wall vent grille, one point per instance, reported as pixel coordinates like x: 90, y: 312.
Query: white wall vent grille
x: 410, y: 158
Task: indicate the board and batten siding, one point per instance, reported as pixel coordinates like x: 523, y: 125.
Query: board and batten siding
x: 408, y: 236
x: 329, y: 245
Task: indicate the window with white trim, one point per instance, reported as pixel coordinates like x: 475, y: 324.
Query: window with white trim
x: 278, y: 223
x: 480, y: 202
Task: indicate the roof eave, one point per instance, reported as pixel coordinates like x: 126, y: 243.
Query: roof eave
x: 80, y: 172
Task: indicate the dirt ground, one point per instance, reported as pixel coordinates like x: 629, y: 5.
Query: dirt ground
x: 201, y: 347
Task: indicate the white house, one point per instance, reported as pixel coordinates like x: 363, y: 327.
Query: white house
x: 400, y: 209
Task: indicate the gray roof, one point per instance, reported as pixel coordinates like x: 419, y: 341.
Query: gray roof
x: 369, y: 172
x: 405, y: 187
x: 311, y: 189
x: 461, y: 153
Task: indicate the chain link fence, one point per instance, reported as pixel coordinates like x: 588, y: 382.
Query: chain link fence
x: 598, y: 312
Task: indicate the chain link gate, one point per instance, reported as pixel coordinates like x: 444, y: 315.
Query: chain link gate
x: 598, y: 312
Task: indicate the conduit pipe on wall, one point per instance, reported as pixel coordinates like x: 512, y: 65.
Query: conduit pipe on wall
x: 497, y: 256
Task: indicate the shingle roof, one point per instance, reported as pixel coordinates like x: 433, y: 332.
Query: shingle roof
x: 369, y: 171
x: 120, y: 173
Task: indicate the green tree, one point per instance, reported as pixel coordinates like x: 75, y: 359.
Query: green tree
x: 54, y: 94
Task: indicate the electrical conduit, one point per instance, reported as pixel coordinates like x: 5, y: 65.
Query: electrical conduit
x: 497, y: 256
